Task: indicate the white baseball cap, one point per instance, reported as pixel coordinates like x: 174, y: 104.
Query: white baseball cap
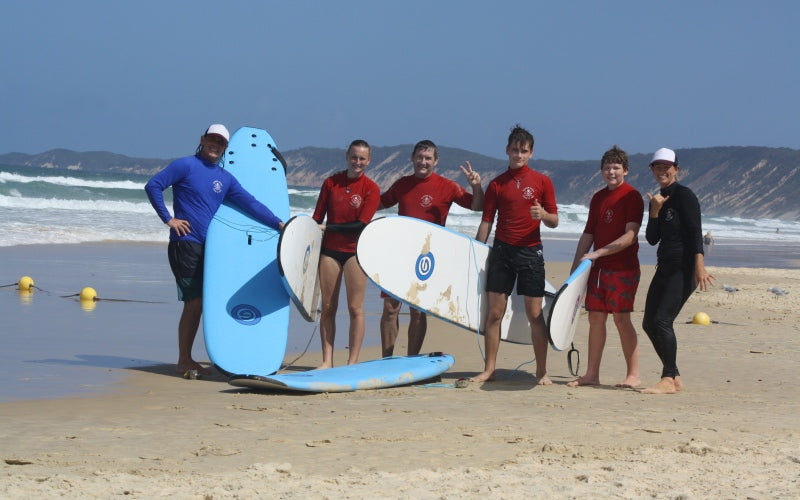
x: 666, y: 155
x: 219, y: 130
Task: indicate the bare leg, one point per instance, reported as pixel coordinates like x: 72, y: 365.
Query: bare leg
x: 630, y: 349
x: 356, y: 284
x: 491, y: 334
x: 187, y: 331
x: 330, y: 281
x: 390, y: 325
x: 417, y: 327
x: 597, y: 342
x: 533, y: 308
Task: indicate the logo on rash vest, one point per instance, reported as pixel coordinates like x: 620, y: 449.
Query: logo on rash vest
x: 217, y: 186
x: 426, y: 201
x: 355, y: 201
x: 528, y: 193
x: 609, y: 216
x: 669, y: 215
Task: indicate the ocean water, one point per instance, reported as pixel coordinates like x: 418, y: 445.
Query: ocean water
x: 46, y: 207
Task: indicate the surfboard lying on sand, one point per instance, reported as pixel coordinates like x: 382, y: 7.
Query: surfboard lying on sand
x: 438, y: 271
x: 375, y: 374
x: 245, y: 305
x: 567, y: 304
x: 298, y: 263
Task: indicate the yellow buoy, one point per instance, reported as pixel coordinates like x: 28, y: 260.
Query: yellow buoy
x: 88, y: 305
x: 701, y: 318
x: 25, y: 283
x: 89, y: 294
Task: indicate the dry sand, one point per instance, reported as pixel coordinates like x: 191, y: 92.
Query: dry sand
x: 733, y: 433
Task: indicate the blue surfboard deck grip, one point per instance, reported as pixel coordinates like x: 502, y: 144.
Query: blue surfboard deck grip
x: 245, y: 305
x: 376, y: 374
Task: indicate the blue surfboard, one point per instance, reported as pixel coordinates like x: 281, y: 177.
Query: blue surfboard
x: 562, y: 319
x: 375, y: 374
x: 245, y: 305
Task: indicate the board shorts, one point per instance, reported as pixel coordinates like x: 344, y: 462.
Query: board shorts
x: 612, y: 291
x: 340, y: 257
x: 509, y: 263
x: 186, y: 261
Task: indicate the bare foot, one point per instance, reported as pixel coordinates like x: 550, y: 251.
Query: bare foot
x: 585, y: 380
x: 192, y: 365
x: 544, y: 380
x: 487, y: 376
x: 665, y: 386
x: 324, y: 366
x: 629, y: 383
x: 678, y: 383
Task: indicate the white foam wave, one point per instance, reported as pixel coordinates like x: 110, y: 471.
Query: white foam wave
x: 16, y: 202
x: 304, y: 192
x: 70, y: 181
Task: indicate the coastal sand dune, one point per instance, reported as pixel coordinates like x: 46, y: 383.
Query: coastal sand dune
x: 733, y: 433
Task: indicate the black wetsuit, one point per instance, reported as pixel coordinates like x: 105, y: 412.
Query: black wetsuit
x: 678, y: 234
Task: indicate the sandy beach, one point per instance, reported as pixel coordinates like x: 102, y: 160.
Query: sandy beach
x: 733, y: 433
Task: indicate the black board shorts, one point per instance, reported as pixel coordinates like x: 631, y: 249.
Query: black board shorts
x: 509, y: 263
x: 186, y: 261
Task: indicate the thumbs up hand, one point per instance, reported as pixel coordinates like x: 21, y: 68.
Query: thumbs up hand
x: 537, y: 212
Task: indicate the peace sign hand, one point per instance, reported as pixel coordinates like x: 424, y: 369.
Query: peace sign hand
x: 473, y: 177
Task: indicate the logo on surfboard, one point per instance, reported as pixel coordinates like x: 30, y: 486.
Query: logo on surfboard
x: 424, y: 266
x: 246, y: 314
x: 306, y: 258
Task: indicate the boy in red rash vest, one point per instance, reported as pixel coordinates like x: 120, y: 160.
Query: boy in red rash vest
x: 615, y: 216
x: 523, y: 199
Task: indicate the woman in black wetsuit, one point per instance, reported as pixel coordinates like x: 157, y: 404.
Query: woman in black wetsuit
x: 674, y: 225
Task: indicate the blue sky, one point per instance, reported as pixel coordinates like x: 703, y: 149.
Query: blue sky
x: 145, y: 78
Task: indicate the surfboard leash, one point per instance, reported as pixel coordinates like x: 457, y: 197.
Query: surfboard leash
x: 250, y: 230
x: 279, y: 156
x: 295, y: 360
x: 577, y: 367
x: 478, y: 274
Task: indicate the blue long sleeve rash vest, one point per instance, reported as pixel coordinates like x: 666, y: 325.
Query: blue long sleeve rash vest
x: 199, y: 187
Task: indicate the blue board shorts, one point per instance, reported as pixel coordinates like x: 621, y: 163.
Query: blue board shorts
x: 186, y: 261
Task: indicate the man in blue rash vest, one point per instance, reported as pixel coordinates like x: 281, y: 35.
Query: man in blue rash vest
x: 199, y: 186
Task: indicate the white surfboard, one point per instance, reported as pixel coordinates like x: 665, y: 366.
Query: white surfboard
x: 298, y: 263
x: 438, y: 271
x: 567, y: 304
